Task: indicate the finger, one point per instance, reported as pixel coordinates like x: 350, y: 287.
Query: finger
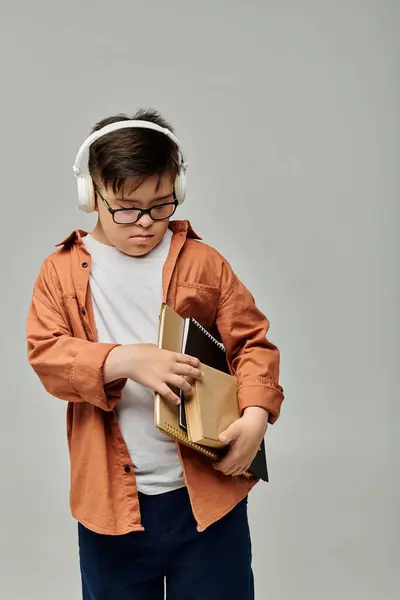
x: 189, y: 371
x: 180, y: 382
x: 188, y: 360
x: 169, y: 395
x: 221, y: 469
x: 242, y: 469
x: 232, y: 470
x: 238, y: 471
x: 229, y: 435
x: 226, y: 465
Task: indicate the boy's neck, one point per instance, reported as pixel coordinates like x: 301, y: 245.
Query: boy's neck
x: 99, y: 235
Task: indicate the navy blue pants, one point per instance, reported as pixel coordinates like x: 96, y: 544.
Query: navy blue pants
x: 210, y: 565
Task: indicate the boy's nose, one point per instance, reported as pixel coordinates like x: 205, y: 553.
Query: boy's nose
x: 145, y: 221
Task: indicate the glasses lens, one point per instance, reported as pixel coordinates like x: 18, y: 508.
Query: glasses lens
x: 163, y: 211
x: 126, y: 216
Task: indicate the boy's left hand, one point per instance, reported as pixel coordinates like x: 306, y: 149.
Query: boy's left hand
x: 244, y: 437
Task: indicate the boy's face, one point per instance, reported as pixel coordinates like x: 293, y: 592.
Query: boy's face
x: 140, y: 238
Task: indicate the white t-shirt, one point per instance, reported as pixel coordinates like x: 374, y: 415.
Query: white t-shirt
x: 127, y: 297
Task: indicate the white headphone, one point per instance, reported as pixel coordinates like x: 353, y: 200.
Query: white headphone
x: 86, y: 194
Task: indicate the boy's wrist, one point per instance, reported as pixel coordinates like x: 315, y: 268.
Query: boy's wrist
x: 116, y: 365
x: 259, y: 414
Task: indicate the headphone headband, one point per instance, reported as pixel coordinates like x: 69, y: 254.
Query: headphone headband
x: 86, y: 195
x: 134, y: 124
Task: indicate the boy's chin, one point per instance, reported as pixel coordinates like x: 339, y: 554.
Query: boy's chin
x: 137, y: 248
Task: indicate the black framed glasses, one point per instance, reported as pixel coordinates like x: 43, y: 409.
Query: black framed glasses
x: 127, y: 216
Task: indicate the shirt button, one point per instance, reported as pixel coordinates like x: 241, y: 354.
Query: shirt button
x: 85, y: 265
x: 127, y: 469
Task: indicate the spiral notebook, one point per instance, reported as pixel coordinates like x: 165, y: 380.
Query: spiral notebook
x: 198, y: 342
x: 187, y: 335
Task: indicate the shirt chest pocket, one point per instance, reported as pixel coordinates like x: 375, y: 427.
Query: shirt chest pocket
x: 197, y: 301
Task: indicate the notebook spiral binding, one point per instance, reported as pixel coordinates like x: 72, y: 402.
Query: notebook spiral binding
x: 208, y: 334
x: 176, y: 434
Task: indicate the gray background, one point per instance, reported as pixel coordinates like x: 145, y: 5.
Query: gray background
x: 289, y: 115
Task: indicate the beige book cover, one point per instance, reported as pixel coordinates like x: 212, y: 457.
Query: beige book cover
x: 212, y: 407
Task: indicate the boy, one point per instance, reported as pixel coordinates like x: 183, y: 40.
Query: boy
x: 149, y: 511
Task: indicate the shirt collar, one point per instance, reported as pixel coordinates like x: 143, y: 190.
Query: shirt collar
x: 175, y: 226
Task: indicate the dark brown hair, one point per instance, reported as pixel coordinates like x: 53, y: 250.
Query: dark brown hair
x: 132, y: 153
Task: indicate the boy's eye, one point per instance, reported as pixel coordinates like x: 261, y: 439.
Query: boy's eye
x: 127, y: 205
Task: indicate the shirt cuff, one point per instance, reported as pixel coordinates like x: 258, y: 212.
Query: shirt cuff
x: 86, y: 377
x: 268, y: 397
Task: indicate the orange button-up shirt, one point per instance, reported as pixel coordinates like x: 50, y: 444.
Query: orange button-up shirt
x: 64, y: 351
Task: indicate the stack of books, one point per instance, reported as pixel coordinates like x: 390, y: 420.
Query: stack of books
x: 213, y: 404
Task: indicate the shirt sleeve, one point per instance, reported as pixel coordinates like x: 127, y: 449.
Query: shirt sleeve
x: 69, y: 368
x: 253, y: 358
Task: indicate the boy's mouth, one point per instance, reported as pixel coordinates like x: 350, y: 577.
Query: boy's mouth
x: 144, y: 239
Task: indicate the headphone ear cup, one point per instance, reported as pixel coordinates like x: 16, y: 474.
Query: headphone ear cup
x: 180, y: 185
x: 86, y: 194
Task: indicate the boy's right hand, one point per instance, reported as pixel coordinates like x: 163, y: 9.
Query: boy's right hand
x: 152, y: 367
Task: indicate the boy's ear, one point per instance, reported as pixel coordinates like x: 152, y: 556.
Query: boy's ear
x: 95, y: 194
x: 96, y: 199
